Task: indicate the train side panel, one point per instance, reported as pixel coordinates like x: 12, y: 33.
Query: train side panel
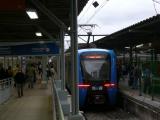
x: 112, y: 92
x: 82, y: 92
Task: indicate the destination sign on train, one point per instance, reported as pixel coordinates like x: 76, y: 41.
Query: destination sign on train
x: 96, y: 56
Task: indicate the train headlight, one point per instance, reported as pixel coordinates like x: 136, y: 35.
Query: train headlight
x: 84, y: 85
x: 110, y: 85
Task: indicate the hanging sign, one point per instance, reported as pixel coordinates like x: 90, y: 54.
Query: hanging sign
x: 30, y: 49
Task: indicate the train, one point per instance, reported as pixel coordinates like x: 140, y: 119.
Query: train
x: 97, y: 76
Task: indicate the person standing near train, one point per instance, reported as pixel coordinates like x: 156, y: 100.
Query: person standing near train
x: 30, y: 75
x: 147, y: 79
x: 131, y: 76
x: 137, y: 77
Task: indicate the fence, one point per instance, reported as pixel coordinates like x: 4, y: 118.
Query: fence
x: 5, y: 89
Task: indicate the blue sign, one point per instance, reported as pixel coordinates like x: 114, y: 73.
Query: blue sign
x: 30, y: 49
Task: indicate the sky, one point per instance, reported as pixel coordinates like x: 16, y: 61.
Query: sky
x: 113, y: 15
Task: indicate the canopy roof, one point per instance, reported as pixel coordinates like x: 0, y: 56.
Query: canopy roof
x: 16, y: 26
x: 146, y: 31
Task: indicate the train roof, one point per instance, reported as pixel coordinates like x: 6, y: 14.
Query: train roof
x: 95, y: 49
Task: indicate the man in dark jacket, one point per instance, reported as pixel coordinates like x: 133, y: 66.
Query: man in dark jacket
x: 19, y: 80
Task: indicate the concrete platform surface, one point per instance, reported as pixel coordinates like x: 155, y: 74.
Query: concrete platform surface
x: 34, y: 105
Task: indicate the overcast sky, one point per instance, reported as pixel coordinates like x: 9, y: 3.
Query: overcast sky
x: 113, y: 15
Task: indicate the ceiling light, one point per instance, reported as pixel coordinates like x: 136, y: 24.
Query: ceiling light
x: 32, y: 14
x: 127, y: 47
x: 149, y: 44
x: 69, y: 28
x: 39, y: 34
x: 138, y: 46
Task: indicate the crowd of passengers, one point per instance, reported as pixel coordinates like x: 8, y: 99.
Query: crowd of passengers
x: 5, y: 73
x: 32, y: 69
x: 32, y: 74
x: 136, y: 76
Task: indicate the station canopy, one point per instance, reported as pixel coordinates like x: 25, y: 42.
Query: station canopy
x: 145, y: 32
x: 16, y: 26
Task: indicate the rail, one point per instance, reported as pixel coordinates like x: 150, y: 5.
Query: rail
x: 57, y: 108
x: 151, y: 93
x: 5, y: 83
x: 5, y: 89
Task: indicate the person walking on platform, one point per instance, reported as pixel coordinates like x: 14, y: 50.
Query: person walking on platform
x: 137, y: 77
x: 131, y: 76
x: 9, y: 71
x: 19, y: 80
x: 15, y: 70
x: 30, y: 75
x: 147, y: 80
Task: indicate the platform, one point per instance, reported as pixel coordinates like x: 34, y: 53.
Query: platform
x: 142, y: 105
x: 34, y: 105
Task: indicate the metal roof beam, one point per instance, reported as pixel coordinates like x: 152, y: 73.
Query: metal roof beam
x: 49, y: 14
x: 45, y: 32
x: 27, y: 40
x: 19, y: 22
x: 21, y: 43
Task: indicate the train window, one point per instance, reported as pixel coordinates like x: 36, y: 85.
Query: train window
x: 95, y: 68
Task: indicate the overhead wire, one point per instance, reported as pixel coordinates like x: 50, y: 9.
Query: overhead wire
x: 103, y: 4
x: 154, y: 6
x: 83, y: 29
x: 156, y: 1
x: 82, y: 39
x: 84, y: 12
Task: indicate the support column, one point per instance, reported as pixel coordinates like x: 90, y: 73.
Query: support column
x: 74, y: 47
x: 58, y: 68
x: 131, y: 55
x: 74, y: 68
x: 12, y: 63
x: 93, y: 38
x: 44, y: 75
x: 152, y: 68
x: 62, y: 59
x: 136, y: 57
x: 5, y: 64
x: 124, y: 59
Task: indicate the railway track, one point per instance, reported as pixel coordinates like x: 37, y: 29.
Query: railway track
x: 99, y: 113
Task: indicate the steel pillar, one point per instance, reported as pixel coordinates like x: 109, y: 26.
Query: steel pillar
x: 62, y: 59
x: 74, y: 47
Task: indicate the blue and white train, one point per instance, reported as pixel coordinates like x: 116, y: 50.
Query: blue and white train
x: 97, y: 76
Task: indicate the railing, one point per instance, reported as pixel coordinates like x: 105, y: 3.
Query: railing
x: 152, y: 93
x: 5, y: 83
x: 57, y: 108
x: 5, y: 92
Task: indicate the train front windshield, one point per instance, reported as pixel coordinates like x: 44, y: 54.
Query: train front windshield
x: 95, y: 67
